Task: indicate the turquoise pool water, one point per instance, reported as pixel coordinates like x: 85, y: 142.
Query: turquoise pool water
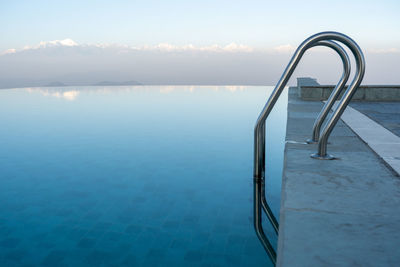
x: 133, y: 176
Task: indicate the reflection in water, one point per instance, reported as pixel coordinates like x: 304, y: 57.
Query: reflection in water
x: 56, y: 92
x: 257, y: 198
x: 71, y: 94
x: 234, y: 88
x: 166, y: 89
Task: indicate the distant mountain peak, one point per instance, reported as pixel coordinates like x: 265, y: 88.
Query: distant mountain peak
x: 162, y: 47
x: 65, y: 42
x: 55, y: 43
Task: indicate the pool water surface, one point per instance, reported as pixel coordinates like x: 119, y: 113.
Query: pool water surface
x: 134, y: 175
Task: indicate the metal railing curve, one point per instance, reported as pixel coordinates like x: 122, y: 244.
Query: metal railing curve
x: 321, y: 117
x: 323, y: 38
x: 335, y: 93
x: 347, y: 96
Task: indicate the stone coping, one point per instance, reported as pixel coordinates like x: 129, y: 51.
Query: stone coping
x: 363, y: 93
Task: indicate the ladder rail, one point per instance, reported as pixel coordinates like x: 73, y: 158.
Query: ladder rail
x: 348, y: 95
x: 321, y: 117
x: 259, y: 190
x: 335, y: 93
x: 260, y: 201
x: 259, y: 135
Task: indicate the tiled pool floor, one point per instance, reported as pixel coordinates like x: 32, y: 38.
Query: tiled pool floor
x: 124, y: 176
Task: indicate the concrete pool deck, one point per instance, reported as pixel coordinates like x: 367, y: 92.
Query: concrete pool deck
x: 381, y: 140
x: 386, y: 114
x: 336, y: 213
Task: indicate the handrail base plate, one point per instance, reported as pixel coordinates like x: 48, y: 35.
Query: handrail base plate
x: 326, y: 157
x: 311, y: 141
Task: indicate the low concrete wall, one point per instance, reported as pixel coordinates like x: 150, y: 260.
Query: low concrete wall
x: 363, y: 93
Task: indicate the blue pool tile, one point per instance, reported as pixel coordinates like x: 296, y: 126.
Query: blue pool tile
x: 128, y: 261
x: 9, y: 242
x: 55, y: 258
x: 101, y: 258
x: 150, y: 181
x: 194, y: 256
x: 87, y: 242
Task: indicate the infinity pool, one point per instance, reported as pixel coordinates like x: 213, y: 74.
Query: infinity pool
x: 134, y: 176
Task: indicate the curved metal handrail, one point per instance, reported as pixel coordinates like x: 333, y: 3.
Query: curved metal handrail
x: 335, y: 93
x: 259, y: 136
x: 351, y: 90
x: 259, y: 130
x: 321, y: 117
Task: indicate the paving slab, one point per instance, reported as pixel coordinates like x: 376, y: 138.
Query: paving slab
x: 341, y: 212
x: 385, y: 143
x: 386, y: 114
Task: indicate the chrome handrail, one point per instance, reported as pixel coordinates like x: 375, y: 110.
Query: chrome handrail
x: 259, y: 130
x: 351, y: 90
x: 259, y: 136
x: 321, y: 117
x: 259, y: 186
x: 335, y: 93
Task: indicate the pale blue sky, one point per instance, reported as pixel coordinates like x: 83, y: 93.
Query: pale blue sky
x: 373, y: 24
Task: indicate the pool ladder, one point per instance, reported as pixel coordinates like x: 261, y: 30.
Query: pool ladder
x: 320, y: 39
